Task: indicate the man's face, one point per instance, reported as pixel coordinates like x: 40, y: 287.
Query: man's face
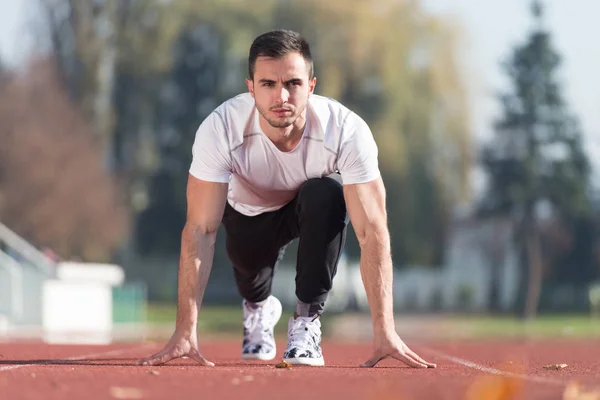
x: 281, y: 88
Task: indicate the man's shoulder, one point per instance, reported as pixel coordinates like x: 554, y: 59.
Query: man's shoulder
x: 328, y: 107
x: 333, y: 116
x: 227, y: 122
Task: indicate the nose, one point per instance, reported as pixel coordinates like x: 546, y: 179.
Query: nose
x: 283, y: 94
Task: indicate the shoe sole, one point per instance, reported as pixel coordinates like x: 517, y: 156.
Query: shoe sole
x: 261, y: 357
x: 269, y: 356
x: 314, y: 362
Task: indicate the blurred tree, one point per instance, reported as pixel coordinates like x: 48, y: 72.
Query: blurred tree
x: 494, y: 245
x: 83, y: 36
x: 536, y: 165
x: 3, y: 70
x: 55, y: 191
x: 5, y: 78
x: 187, y: 97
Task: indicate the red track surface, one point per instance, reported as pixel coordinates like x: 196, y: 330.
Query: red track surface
x: 41, y: 371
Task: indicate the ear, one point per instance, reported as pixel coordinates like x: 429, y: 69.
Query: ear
x: 311, y: 85
x: 250, y: 85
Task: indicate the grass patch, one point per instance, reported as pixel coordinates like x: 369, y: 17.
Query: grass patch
x: 227, y: 320
x: 213, y: 319
x: 545, y: 326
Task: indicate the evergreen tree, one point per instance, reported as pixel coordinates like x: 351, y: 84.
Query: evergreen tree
x: 536, y: 160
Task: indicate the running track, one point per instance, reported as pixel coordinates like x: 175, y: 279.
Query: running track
x: 466, y: 370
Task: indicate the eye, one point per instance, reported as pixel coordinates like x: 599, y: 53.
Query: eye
x: 268, y: 84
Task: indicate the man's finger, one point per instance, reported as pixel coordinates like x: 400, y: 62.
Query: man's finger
x: 145, y: 360
x: 157, y: 359
x: 199, y: 358
x: 371, y: 362
x: 408, y: 360
x: 415, y: 356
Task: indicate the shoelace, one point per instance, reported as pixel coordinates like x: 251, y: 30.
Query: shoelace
x: 302, y: 332
x: 258, y: 326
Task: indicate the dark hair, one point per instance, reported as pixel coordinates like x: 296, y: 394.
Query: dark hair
x: 278, y: 44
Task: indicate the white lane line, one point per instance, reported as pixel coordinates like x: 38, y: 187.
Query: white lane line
x: 483, y: 368
x: 75, y: 358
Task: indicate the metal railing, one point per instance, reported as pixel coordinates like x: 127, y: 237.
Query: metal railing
x: 12, y: 291
x: 23, y: 268
x: 25, y: 251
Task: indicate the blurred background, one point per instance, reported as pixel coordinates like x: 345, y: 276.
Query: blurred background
x: 487, y: 117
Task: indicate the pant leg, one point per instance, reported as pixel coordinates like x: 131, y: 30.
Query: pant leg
x: 322, y: 225
x: 254, y: 246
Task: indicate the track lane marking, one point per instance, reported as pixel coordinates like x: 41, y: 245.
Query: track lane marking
x: 495, y: 371
x: 75, y: 358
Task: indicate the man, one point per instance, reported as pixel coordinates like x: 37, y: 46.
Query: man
x: 261, y: 166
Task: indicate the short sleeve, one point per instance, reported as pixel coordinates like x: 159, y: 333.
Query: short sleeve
x: 211, y: 159
x: 358, y: 155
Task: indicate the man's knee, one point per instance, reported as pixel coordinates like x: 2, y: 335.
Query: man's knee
x: 322, y: 194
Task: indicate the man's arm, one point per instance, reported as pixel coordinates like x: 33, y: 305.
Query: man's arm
x: 367, y: 209
x: 205, y: 205
x: 206, y: 202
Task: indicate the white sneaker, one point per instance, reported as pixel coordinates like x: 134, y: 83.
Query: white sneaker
x: 304, y: 342
x: 259, y: 323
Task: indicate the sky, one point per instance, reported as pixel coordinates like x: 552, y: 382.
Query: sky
x: 11, y: 19
x: 491, y: 28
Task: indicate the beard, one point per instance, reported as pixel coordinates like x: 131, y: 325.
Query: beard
x: 279, y: 122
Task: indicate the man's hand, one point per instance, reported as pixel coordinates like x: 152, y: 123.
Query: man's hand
x: 392, y: 346
x: 180, y: 345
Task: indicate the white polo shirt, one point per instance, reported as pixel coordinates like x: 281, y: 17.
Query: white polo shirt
x: 230, y: 147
